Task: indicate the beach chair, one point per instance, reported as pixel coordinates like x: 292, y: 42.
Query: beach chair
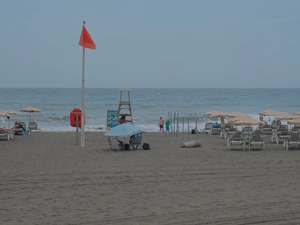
x: 6, y: 134
x: 135, y: 140
x: 229, y: 132
x: 215, y: 130
x: 33, y: 126
x: 247, y: 134
x: 224, y: 127
x: 293, y: 141
x: 283, y: 127
x: 247, y: 129
x: 274, y: 135
x: 257, y: 140
x: 236, y: 140
x: 282, y: 135
x: 296, y: 129
x: 207, y: 127
x: 18, y: 131
x: 267, y: 129
x: 275, y: 124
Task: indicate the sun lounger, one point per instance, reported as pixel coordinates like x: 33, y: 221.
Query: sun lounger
x: 6, y: 134
x: 18, y: 131
x: 33, y: 126
x: 215, y: 130
x: 247, y: 134
x: 207, y: 128
x: 267, y: 130
x: 293, y: 141
x: 274, y: 135
x: 282, y: 136
x: 257, y: 140
x: 236, y: 140
x: 275, y: 125
x: 229, y: 132
x: 224, y: 127
x: 247, y: 129
x: 296, y: 129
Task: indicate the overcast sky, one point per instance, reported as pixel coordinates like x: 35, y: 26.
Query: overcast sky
x: 151, y: 44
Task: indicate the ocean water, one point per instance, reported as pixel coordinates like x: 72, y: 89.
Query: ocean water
x: 147, y: 105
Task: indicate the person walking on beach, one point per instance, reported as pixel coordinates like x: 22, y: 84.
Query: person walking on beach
x: 167, y: 126
x: 161, y: 124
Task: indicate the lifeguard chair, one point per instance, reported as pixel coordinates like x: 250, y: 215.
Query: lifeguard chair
x: 124, y: 105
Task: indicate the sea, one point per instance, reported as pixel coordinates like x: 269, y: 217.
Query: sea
x: 184, y: 107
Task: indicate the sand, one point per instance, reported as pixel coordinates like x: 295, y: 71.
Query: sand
x: 47, y: 179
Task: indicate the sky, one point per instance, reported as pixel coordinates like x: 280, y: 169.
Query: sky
x: 151, y: 43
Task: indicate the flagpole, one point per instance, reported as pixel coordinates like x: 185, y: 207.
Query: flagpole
x: 82, y: 98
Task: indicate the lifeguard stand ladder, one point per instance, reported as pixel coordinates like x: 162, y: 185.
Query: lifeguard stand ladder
x: 124, y: 105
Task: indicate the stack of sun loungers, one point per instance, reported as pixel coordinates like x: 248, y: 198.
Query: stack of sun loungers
x: 257, y: 140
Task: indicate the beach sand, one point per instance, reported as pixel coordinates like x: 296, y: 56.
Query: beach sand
x: 47, y: 179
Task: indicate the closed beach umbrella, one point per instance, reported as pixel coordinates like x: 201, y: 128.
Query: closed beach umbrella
x: 123, y: 130
x: 30, y: 110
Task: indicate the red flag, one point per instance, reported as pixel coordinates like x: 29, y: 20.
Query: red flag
x: 85, y: 39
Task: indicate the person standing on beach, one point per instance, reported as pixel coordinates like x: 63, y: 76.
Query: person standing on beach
x: 161, y: 124
x: 167, y: 126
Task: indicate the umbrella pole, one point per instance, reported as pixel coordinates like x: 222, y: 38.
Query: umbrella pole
x: 77, y: 129
x: 82, y: 97
x: 188, y: 122
x: 182, y: 129
x: 197, y: 134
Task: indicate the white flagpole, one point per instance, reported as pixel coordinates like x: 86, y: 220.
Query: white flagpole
x: 82, y: 99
